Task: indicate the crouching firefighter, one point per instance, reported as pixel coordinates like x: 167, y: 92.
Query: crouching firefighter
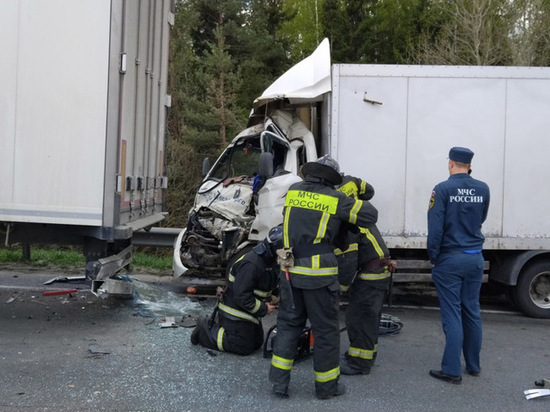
x: 235, y: 325
x: 313, y: 213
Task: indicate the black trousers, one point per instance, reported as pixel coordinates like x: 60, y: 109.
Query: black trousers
x: 363, y: 313
x: 321, y: 306
x: 235, y: 336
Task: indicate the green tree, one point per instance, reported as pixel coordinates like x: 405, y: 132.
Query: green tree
x: 302, y: 30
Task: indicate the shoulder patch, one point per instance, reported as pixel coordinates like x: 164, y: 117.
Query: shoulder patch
x: 432, y: 200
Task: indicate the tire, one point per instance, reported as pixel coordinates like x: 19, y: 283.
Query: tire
x: 532, y: 292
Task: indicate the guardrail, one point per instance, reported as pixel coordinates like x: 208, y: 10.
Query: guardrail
x: 156, y: 237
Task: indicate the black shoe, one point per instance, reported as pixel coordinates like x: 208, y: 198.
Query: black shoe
x: 195, y: 336
x: 340, y: 390
x: 347, y: 369
x: 280, y: 392
x: 474, y: 373
x: 447, y: 378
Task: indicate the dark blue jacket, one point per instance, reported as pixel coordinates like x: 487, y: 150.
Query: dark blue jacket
x: 457, y: 209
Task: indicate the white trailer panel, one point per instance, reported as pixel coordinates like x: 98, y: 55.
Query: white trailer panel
x: 82, y: 111
x: 500, y: 113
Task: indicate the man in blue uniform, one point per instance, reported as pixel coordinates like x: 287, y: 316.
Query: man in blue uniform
x: 313, y: 212
x: 457, y: 209
x: 237, y: 328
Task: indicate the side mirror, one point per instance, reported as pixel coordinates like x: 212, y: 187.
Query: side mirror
x: 205, y: 166
x: 265, y: 168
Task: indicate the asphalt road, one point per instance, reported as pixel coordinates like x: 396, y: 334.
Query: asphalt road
x: 78, y: 352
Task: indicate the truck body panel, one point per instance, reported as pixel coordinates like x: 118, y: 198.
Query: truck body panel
x: 393, y: 126
x: 83, y: 103
x: 400, y: 146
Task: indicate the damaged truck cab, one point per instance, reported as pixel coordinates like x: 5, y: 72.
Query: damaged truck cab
x: 242, y: 195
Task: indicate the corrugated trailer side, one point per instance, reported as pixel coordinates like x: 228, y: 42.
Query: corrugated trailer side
x: 394, y: 125
x: 84, y: 106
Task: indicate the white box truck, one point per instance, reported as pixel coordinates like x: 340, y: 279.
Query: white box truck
x: 83, y: 108
x: 393, y: 126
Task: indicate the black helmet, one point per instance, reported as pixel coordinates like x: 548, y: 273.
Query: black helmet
x: 275, y: 239
x: 324, y: 168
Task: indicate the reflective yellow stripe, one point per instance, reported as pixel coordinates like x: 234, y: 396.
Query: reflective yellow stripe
x: 344, y: 288
x: 261, y: 293
x: 311, y: 201
x: 328, y: 375
x: 353, y: 247
x: 374, y: 276
x: 349, y: 189
x: 286, y: 242
x: 237, y: 313
x: 322, y: 229
x: 362, y: 353
x: 256, y: 307
x: 282, y: 363
x: 363, y: 187
x: 353, y: 212
x: 231, y: 278
x: 302, y: 270
x: 372, y: 239
x: 315, y: 261
x: 219, y: 339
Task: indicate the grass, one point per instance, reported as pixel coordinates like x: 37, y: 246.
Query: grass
x: 44, y: 257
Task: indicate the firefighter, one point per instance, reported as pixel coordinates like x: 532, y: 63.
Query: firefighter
x: 312, y: 215
x: 235, y: 325
x: 366, y: 266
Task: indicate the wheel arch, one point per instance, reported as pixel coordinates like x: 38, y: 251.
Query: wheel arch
x: 505, y: 267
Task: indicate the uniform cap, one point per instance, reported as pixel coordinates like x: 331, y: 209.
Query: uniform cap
x: 461, y: 154
x: 325, y: 168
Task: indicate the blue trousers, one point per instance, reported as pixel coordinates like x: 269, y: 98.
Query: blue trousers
x: 457, y: 278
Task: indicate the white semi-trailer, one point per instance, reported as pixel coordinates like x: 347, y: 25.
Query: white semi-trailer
x: 83, y: 107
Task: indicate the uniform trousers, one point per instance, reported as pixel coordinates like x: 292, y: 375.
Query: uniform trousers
x: 363, y: 313
x: 321, y: 306
x: 236, y: 336
x: 457, y: 277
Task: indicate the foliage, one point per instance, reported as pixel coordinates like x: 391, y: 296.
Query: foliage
x: 69, y: 258
x: 224, y: 53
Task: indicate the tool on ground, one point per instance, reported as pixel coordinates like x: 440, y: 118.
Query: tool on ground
x: 285, y: 259
x: 538, y: 393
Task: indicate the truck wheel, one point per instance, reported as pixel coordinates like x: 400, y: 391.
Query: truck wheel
x: 533, y: 290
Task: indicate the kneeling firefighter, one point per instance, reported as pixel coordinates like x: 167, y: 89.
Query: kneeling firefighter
x: 235, y: 325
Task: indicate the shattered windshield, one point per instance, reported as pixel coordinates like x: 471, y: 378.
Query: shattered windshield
x: 243, y: 159
x: 239, y: 160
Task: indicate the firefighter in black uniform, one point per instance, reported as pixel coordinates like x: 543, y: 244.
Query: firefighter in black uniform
x: 235, y: 325
x: 366, y: 266
x: 312, y: 215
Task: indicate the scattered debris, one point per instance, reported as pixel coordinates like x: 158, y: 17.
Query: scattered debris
x: 60, y: 292
x: 95, y: 349
x: 188, y: 322
x: 168, y: 322
x: 10, y: 300
x: 538, y: 393
x: 64, y: 279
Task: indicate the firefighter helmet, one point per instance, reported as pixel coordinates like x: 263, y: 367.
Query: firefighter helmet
x: 325, y: 168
